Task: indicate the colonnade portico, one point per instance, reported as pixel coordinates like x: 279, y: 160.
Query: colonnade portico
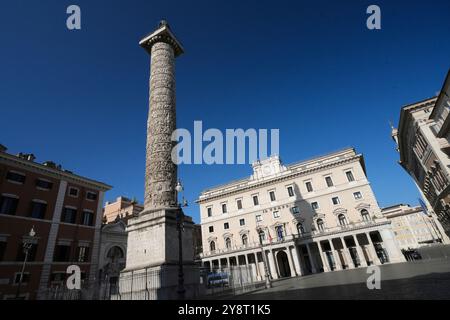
x: 299, y: 255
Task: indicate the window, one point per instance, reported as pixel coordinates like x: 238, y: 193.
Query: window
x: 31, y: 253
x: 73, y: 192
x: 209, y: 210
x: 228, y: 243
x: 242, y: 222
x: 239, y: 204
x: 44, y: 184
x: 350, y: 176
x: 342, y: 220
x: 38, y: 210
x: 365, y: 215
x: 25, y: 277
x: 357, y: 195
x: 69, y: 215
x: 280, y: 233
x: 320, y: 225
x: 309, y: 186
x: 258, y: 218
x: 2, y: 249
x: 244, y: 239
x: 15, y: 177
x: 8, y: 205
x: 290, y: 191
x: 88, y: 218
x: 62, y: 253
x: 295, y: 210
x: 329, y: 181
x: 300, y: 228
x: 91, y: 196
x: 272, y: 196
x: 315, y: 205
x: 212, y: 246
x: 276, y: 214
x: 255, y: 200
x: 83, y: 254
x: 262, y: 236
x: 226, y: 225
x: 335, y: 200
x: 224, y: 208
x: 211, y: 229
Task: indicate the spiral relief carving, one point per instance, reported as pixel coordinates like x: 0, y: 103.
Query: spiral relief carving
x: 161, y: 172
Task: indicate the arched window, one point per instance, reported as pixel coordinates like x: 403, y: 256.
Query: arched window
x: 365, y: 215
x: 262, y: 236
x: 228, y: 243
x: 115, y: 253
x: 320, y: 225
x: 342, y: 220
x: 244, y: 239
x: 300, y: 228
x: 212, y: 246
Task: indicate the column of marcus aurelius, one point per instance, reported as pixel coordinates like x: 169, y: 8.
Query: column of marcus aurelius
x: 152, y: 251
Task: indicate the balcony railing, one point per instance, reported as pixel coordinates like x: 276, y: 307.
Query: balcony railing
x: 293, y: 237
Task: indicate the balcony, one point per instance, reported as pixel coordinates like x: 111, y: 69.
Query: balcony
x: 348, y: 227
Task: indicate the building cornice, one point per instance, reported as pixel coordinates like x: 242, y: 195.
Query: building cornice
x: 55, y: 173
x: 294, y: 172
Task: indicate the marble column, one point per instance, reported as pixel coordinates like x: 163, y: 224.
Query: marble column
x: 323, y: 256
x: 272, y: 268
x: 291, y: 262
x: 295, y: 257
x: 372, y: 251
x: 337, y: 260
x: 311, y: 259
x: 347, y: 255
x: 362, y: 259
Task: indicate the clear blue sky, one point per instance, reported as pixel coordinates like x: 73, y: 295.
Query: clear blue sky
x: 311, y: 69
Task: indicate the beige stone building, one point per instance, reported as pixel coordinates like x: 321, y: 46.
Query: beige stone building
x: 411, y: 226
x: 423, y: 141
x: 307, y: 217
x: 122, y: 208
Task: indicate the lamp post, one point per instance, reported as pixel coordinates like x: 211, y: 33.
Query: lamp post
x: 180, y: 227
x: 266, y: 270
x: 27, y: 244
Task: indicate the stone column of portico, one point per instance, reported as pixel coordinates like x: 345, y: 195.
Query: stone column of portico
x: 296, y: 259
x: 372, y: 251
x: 277, y: 269
x: 323, y: 256
x: 337, y: 260
x: 291, y: 262
x: 362, y: 259
x: 347, y: 255
x: 220, y: 264
x: 311, y: 260
x: 272, y: 270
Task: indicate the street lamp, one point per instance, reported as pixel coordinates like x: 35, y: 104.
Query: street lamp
x: 180, y: 227
x: 266, y: 270
x: 27, y: 244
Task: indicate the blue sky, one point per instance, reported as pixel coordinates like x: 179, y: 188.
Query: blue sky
x: 310, y: 68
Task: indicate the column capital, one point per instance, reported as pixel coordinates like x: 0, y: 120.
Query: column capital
x: 162, y: 34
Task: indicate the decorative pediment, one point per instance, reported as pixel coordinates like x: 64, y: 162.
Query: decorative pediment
x: 244, y: 231
x: 227, y: 235
x: 362, y: 205
x: 212, y: 239
x: 297, y: 220
x: 339, y: 211
x: 318, y: 216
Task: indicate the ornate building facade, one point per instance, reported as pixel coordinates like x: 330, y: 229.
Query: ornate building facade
x: 412, y: 227
x: 312, y: 216
x: 423, y: 141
